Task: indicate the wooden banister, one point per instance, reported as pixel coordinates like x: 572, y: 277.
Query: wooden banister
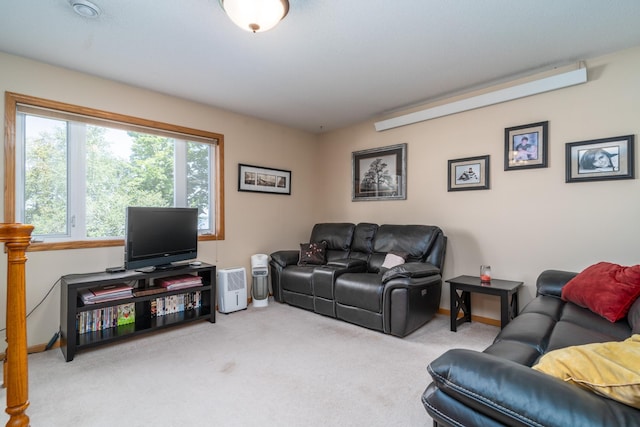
x: 16, y: 238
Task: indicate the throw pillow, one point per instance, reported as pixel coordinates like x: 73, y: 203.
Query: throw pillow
x: 605, y: 288
x: 312, y: 253
x: 393, y: 259
x: 610, y: 369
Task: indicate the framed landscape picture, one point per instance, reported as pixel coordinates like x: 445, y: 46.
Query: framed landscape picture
x: 470, y: 173
x: 263, y: 180
x: 600, y: 159
x: 380, y: 173
x: 525, y: 146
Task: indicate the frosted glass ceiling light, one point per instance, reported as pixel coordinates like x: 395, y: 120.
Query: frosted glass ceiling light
x: 85, y: 8
x: 256, y: 15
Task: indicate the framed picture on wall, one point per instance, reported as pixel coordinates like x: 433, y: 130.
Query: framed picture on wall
x: 600, y: 159
x: 470, y: 173
x: 525, y: 146
x: 379, y: 173
x: 257, y: 179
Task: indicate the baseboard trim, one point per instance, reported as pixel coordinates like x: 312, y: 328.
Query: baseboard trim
x: 38, y: 348
x: 479, y: 319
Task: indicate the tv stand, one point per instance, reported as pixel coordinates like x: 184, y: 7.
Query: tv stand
x: 165, y: 267
x: 144, y: 299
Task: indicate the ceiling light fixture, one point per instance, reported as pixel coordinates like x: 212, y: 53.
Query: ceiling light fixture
x: 256, y: 15
x: 85, y: 8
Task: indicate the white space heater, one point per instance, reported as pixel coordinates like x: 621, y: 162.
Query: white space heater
x: 232, y: 289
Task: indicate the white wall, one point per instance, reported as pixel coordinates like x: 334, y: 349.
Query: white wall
x: 530, y: 220
x: 255, y: 223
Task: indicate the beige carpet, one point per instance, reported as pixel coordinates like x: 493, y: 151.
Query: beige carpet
x: 272, y: 366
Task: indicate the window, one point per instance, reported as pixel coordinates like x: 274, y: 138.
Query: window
x: 72, y: 171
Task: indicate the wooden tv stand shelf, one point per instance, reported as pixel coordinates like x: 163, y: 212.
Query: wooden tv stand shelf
x: 147, y: 319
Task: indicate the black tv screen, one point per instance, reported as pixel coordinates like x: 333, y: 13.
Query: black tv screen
x: 160, y: 236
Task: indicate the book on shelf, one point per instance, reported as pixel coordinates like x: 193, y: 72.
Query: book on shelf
x: 106, y: 293
x: 126, y: 313
x: 179, y: 282
x: 154, y: 307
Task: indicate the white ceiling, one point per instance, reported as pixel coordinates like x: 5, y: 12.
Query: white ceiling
x: 329, y: 63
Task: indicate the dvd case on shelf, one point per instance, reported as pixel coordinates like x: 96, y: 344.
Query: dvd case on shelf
x: 176, y: 303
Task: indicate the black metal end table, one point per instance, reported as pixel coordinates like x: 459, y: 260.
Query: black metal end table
x: 507, y: 290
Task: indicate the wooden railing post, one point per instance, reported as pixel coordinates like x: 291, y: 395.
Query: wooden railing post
x: 16, y: 238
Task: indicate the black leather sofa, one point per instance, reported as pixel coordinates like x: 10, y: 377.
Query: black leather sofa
x: 351, y: 284
x: 497, y: 387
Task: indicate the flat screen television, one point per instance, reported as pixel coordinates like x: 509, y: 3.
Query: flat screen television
x: 158, y: 237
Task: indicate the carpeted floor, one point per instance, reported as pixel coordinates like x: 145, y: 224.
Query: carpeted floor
x: 272, y: 366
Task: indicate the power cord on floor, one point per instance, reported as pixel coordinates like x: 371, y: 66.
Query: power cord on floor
x: 52, y: 341
x: 55, y: 337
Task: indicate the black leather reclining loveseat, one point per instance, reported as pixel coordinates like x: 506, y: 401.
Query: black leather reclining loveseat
x: 498, y: 387
x: 351, y: 284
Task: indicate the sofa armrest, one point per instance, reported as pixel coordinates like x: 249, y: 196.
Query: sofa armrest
x: 285, y: 258
x: 551, y: 282
x: 515, y: 394
x: 348, y: 264
x: 410, y: 270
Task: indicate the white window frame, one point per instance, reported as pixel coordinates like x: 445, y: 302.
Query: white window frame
x: 15, y: 180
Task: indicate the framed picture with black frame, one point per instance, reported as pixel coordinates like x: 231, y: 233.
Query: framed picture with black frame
x: 525, y: 146
x: 258, y: 179
x: 469, y: 173
x: 379, y: 173
x: 600, y: 159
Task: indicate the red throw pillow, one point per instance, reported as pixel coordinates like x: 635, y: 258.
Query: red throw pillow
x: 605, y: 288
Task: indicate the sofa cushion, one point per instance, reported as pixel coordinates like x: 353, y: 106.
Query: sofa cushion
x: 566, y: 334
x: 595, y: 323
x: 312, y: 253
x: 531, y: 329
x: 412, y: 239
x: 605, y: 288
x: 298, y: 279
x: 611, y: 369
x: 363, y: 290
x: 363, y: 236
x: 337, y: 235
x: 543, y: 304
x: 375, y: 262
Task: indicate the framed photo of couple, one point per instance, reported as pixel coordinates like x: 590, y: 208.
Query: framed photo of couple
x: 525, y: 146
